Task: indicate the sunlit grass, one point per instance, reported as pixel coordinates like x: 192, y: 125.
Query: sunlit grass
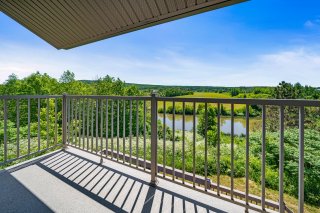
x: 203, y: 95
x: 290, y: 201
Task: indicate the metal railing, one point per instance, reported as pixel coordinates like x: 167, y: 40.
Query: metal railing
x: 192, y: 179
x: 109, y: 126
x: 126, y: 130
x: 28, y: 129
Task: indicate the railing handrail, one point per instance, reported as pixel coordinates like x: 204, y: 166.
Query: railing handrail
x: 114, y: 97
x: 29, y: 96
x: 249, y: 101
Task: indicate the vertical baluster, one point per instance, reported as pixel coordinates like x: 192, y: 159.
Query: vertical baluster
x: 137, y: 133
x: 232, y: 150
x: 144, y: 133
x: 92, y: 112
x: 79, y: 121
x: 5, y: 126
x: 88, y: 122
x: 247, y: 157
x: 18, y: 127
x: 83, y: 122
x: 218, y: 149
x: 183, y: 141
x: 101, y: 129
x: 173, y: 141
x: 55, y: 121
x: 97, y: 124
x: 206, y: 148
x: 73, y: 115
x: 76, y: 122
x: 112, y: 129
x: 130, y: 132
x: 118, y: 128
x: 38, y: 133
x: 281, y: 160
x: 164, y: 138
x: 71, y: 121
x: 301, y: 160
x: 67, y: 119
x: 29, y: 121
x: 48, y: 122
x: 124, y: 132
x: 194, y: 146
x: 64, y: 115
x: 107, y: 127
x: 263, y: 158
x: 82, y: 116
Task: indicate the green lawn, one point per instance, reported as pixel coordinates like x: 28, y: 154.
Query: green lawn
x: 207, y: 95
x: 203, y: 95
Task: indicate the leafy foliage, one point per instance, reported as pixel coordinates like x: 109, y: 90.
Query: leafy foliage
x: 67, y: 77
x: 174, y: 91
x: 208, y: 124
x: 289, y: 91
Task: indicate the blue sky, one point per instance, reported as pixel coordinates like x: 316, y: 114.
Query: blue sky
x: 260, y: 42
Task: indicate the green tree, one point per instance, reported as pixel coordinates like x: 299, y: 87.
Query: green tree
x: 211, y: 124
x: 67, y: 77
x: 234, y: 92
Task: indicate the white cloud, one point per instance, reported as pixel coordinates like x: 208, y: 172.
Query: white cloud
x: 167, y: 67
x: 309, y: 24
x: 312, y: 24
x: 297, y: 65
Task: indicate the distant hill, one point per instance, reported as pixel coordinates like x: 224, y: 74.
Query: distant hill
x: 192, y: 88
x: 195, y: 88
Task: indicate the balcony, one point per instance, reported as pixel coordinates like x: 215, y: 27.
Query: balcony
x: 111, y: 153
x: 75, y: 181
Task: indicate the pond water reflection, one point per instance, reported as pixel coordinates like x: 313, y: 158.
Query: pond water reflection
x: 225, y: 126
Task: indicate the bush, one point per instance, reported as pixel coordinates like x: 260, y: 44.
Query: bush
x: 312, y: 161
x: 211, y: 123
x: 212, y: 137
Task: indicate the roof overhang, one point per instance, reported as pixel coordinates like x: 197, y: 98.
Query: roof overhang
x: 66, y: 24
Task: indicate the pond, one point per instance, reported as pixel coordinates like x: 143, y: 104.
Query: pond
x: 225, y: 126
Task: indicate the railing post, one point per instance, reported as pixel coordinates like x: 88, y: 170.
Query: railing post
x: 154, y: 138
x: 301, y: 160
x: 64, y: 120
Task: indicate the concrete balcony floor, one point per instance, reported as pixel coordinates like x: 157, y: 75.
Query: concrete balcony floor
x: 74, y: 181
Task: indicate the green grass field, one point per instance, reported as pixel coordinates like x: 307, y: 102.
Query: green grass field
x: 203, y: 95
x: 207, y: 95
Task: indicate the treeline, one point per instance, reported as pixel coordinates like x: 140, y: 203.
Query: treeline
x: 247, y: 90
x: 43, y: 84
x: 172, y: 92
x: 242, y: 89
x: 254, y: 110
x: 287, y: 90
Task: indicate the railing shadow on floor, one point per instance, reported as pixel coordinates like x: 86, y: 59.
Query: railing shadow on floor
x: 114, y: 189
